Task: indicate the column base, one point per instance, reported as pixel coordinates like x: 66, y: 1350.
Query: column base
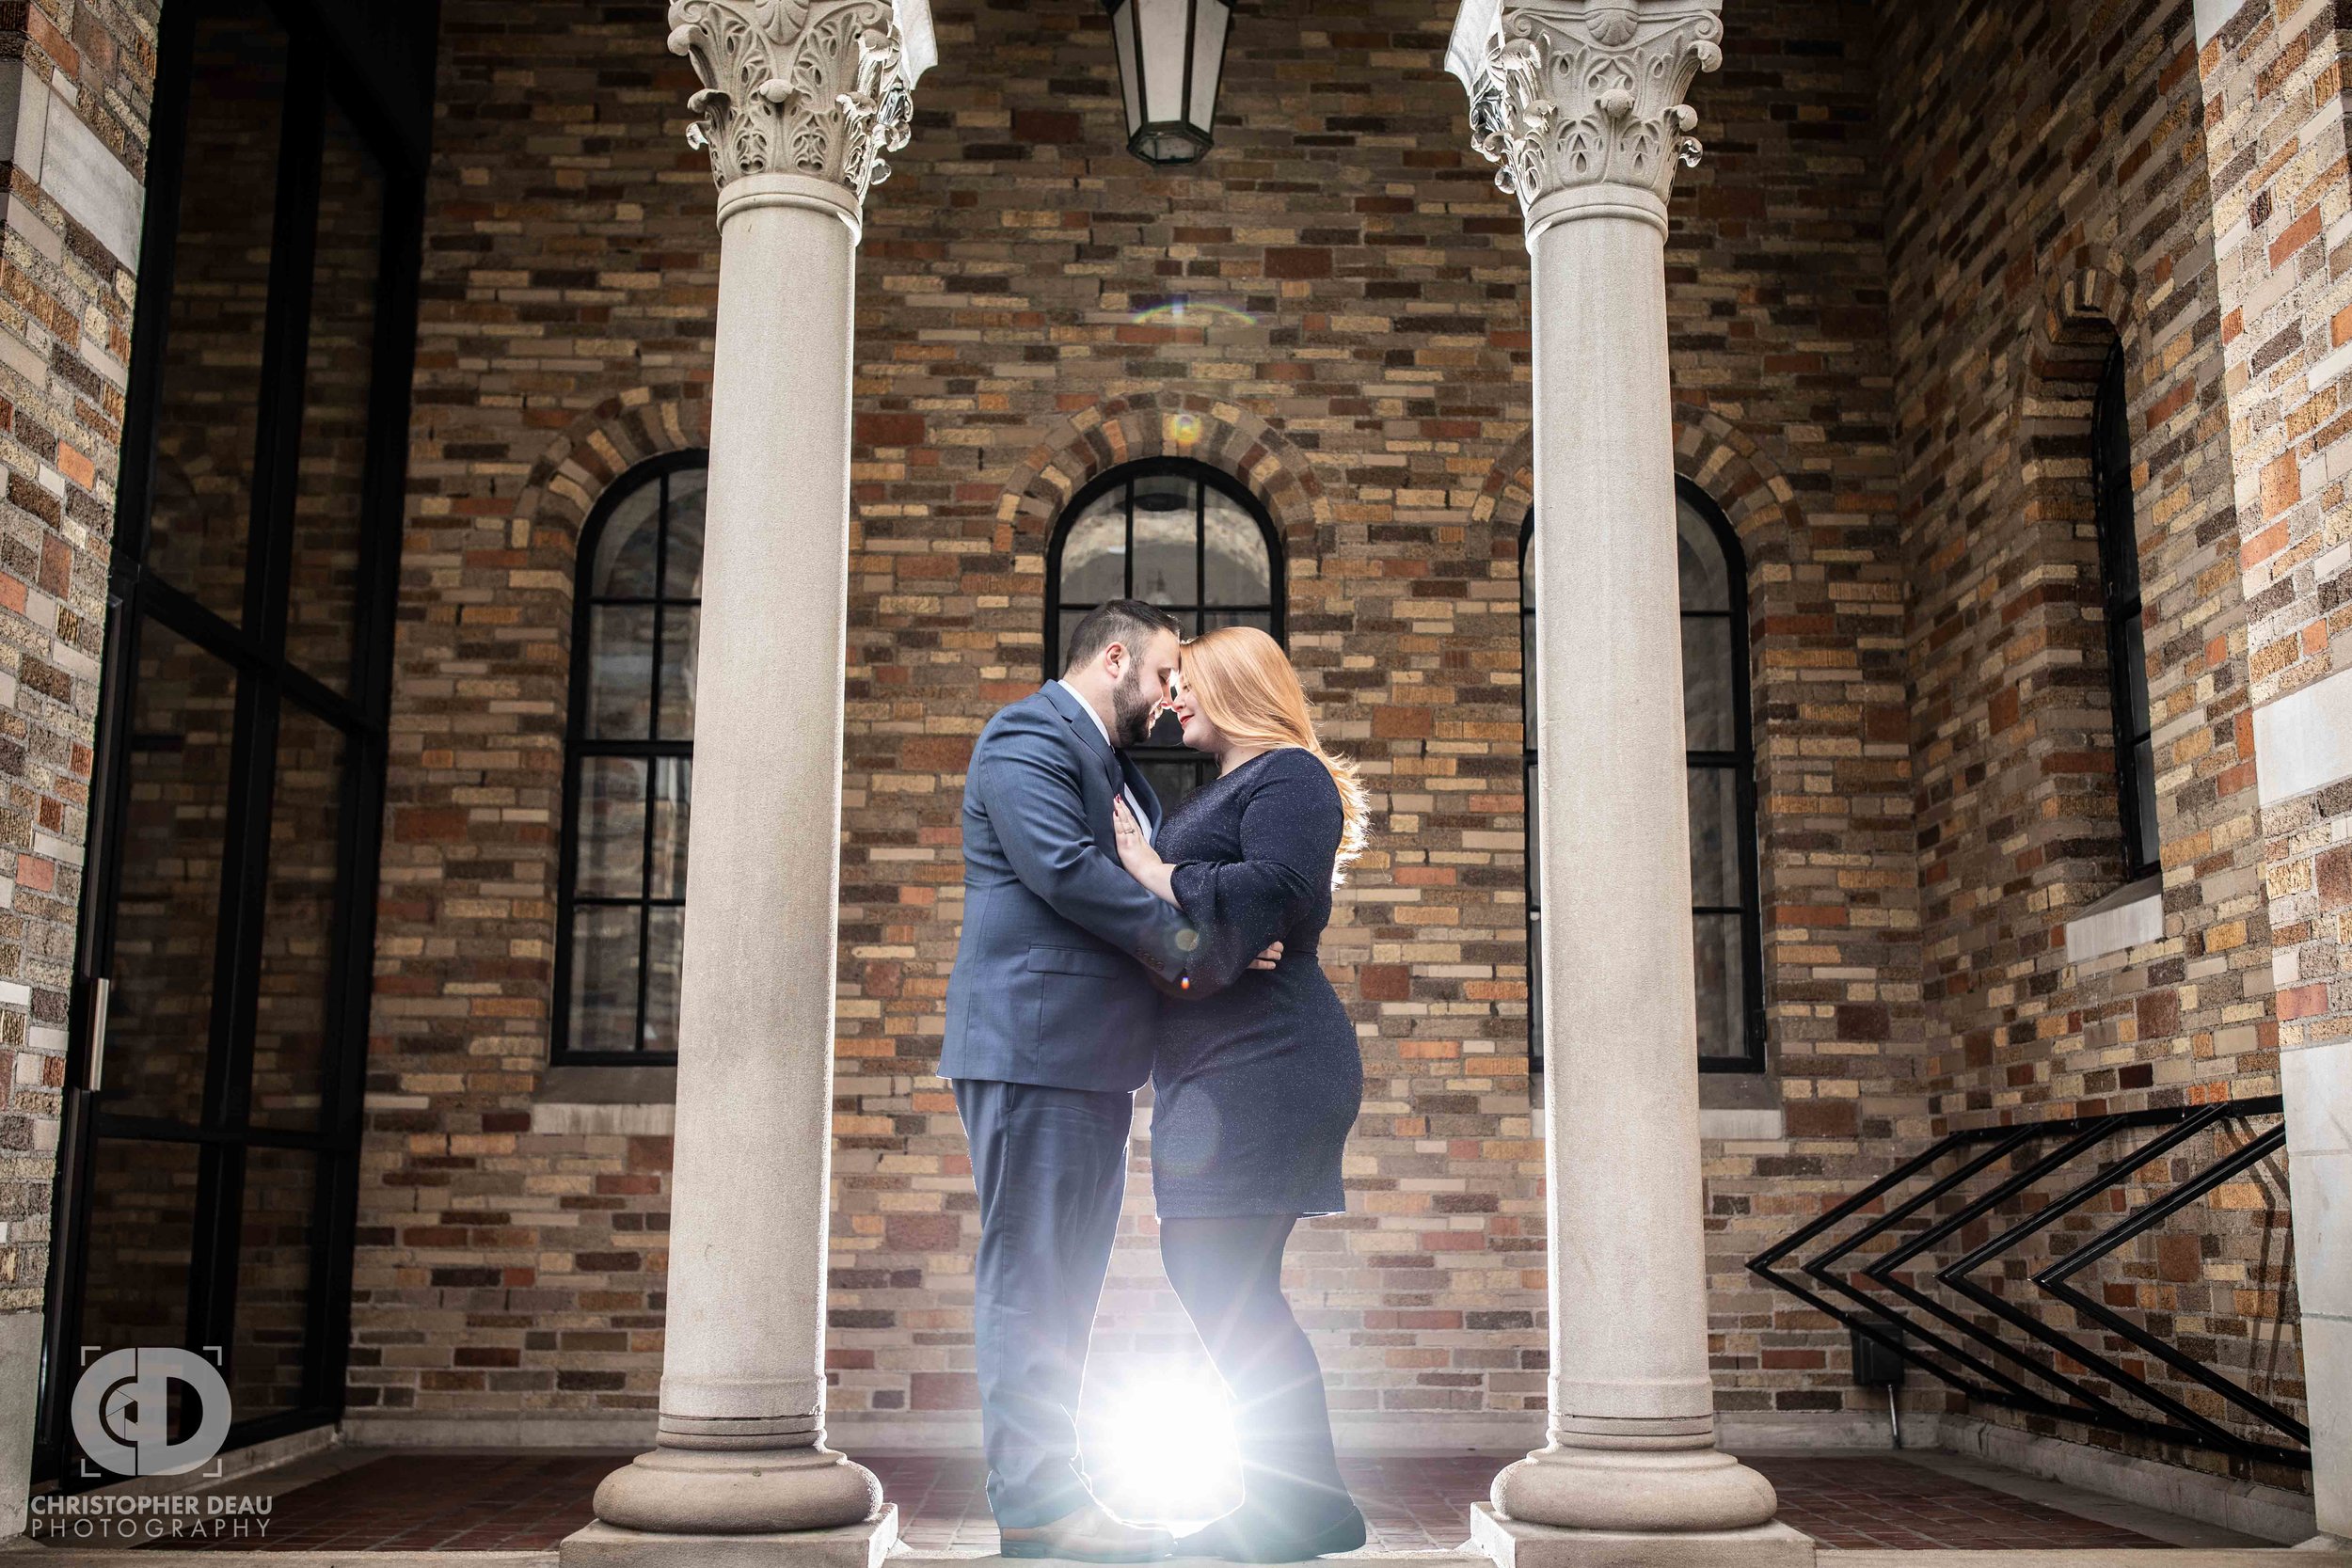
x: 860, y: 1545
x: 1514, y: 1543
x: 1642, y: 1490
x: 710, y: 1494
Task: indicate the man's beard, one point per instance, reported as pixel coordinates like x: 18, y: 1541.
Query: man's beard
x: 1131, y: 709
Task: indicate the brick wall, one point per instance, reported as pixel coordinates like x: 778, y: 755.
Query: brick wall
x: 2046, y: 196
x: 1885, y: 283
x: 2274, y: 91
x: 75, y: 78
x: 1354, y: 347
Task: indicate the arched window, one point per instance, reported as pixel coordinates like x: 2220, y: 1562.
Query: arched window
x: 2127, y: 652
x: 629, y: 769
x: 1178, y: 535
x: 1726, y: 914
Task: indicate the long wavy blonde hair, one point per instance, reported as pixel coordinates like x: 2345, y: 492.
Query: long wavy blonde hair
x: 1243, y: 683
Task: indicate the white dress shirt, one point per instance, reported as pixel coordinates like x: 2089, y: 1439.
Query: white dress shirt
x: 1135, y: 807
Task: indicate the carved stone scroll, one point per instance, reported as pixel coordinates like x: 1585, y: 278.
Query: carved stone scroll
x: 814, y: 88
x: 1572, y: 94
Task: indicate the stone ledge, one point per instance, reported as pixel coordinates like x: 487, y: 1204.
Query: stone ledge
x: 611, y: 1101
x: 1512, y: 1543
x: 2131, y: 916
x: 603, y: 1545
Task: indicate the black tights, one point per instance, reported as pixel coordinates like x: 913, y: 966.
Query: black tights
x: 1228, y: 1273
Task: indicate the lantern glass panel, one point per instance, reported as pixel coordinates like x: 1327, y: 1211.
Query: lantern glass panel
x: 1208, y: 57
x: 1123, y: 42
x: 1165, y: 24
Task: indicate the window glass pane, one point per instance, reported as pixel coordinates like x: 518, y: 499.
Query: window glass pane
x: 1709, y: 710
x: 1721, y: 973
x: 1262, y: 620
x: 1168, y: 570
x: 2134, y: 678
x: 1094, y: 551
x: 1239, y: 571
x: 688, y: 489
x: 1070, y: 619
x: 673, y: 791
x: 1175, y: 774
x: 627, y: 544
x: 292, y: 1020
x: 273, y: 1280
x: 321, y: 610
x: 2144, y: 774
x: 167, y: 914
x: 210, y: 399
x: 604, y: 978
x: 135, y: 1291
x: 1535, y: 839
x: 1705, y: 575
x: 1530, y: 667
x: 1714, y: 836
x: 665, y: 949
x: 620, y: 672
x: 612, y: 809
x: 680, y: 625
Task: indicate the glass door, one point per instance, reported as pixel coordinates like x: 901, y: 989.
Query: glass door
x: 206, y: 1176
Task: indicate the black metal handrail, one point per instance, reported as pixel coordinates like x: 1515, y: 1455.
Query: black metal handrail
x: 1963, y: 1351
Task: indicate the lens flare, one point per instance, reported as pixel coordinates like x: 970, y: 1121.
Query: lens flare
x: 1164, y: 1452
x: 1193, y: 313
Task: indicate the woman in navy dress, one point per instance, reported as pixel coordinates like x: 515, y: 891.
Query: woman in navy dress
x: 1256, y: 1078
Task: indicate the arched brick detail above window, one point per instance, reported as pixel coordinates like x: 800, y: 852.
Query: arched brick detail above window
x: 1123, y: 430
x: 601, y: 446
x: 1711, y: 452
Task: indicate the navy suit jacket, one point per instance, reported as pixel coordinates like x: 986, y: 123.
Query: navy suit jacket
x: 1053, y: 981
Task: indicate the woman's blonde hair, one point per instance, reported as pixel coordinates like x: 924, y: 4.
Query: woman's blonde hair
x: 1243, y: 683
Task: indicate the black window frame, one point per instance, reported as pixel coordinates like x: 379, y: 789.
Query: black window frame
x: 579, y: 747
x: 1164, y: 748
x: 374, y: 70
x: 1740, y: 760
x: 2125, y: 612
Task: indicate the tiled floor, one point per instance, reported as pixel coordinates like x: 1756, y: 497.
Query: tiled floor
x: 451, y: 1501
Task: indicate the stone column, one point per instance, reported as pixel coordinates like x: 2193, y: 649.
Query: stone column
x: 799, y: 101
x: 1580, y: 103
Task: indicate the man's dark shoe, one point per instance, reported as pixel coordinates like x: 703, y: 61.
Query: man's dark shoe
x: 1244, y: 1536
x: 1090, y: 1533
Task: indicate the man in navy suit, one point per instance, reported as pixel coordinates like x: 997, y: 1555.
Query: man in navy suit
x: 1050, y: 1015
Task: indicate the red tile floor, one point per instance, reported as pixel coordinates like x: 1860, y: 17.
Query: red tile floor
x: 481, y: 1502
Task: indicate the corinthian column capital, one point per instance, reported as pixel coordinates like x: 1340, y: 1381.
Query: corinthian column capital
x: 1581, y: 100
x: 820, y: 89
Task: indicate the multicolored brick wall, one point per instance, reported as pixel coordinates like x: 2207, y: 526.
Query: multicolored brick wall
x: 1353, y: 344
x: 2047, y: 197
x: 75, y: 84
x: 2274, y: 89
x: 1889, y: 281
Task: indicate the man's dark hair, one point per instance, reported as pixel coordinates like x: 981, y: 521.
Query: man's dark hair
x: 1126, y: 621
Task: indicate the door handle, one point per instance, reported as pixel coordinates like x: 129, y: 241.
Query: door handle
x: 101, y: 989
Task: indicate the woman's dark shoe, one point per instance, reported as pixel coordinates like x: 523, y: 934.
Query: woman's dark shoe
x: 1243, y: 1536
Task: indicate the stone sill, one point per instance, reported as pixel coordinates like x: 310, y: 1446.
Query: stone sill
x: 1743, y: 1107
x: 609, y: 1101
x: 2131, y: 916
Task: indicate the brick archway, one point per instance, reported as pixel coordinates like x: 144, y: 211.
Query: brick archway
x: 602, y: 445
x: 1151, y: 425
x: 1711, y: 452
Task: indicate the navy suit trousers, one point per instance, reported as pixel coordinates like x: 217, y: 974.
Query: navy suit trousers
x: 1050, y: 1166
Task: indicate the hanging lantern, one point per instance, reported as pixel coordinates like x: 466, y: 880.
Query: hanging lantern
x: 1170, y: 53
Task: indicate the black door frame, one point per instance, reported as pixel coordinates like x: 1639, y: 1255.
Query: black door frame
x: 323, y: 65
